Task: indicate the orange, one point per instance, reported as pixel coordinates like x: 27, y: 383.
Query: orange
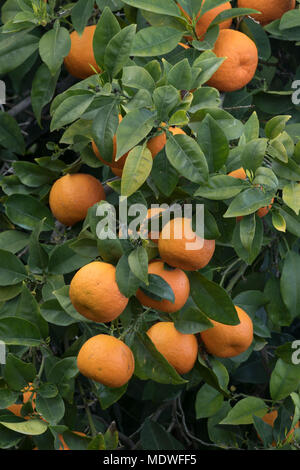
x: 81, y: 59
x: 205, y: 20
x: 270, y: 10
x: 72, y: 195
x: 270, y: 419
x: 95, y: 294
x: 240, y: 64
x: 174, y: 249
x: 157, y: 143
x: 177, y: 280
x: 106, y: 360
x: 120, y: 163
x: 179, y: 349
x: 241, y: 174
x: 185, y: 46
x: 27, y: 395
x: 229, y: 340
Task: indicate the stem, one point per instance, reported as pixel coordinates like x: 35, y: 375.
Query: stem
x: 236, y: 277
x: 228, y: 269
x: 88, y: 412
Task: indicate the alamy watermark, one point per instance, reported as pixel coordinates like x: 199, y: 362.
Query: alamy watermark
x: 2, y: 352
x: 136, y: 221
x: 296, y: 353
x: 296, y: 94
x: 2, y: 93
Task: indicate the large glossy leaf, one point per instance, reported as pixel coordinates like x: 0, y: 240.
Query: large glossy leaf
x: 107, y: 27
x: 285, y: 379
x: 118, y: 50
x: 150, y: 364
x: 43, y: 87
x: 213, y: 300
x: 133, y: 128
x: 15, y: 48
x: 248, y: 202
x: 155, y: 41
x: 244, y: 411
x: 12, y: 270
x: 71, y: 109
x: 289, y: 283
x: 137, y: 168
x: 185, y: 155
x: 10, y: 134
x: 27, y: 212
x: 156, y: 6
x: 54, y: 46
x: 17, y: 331
x: 221, y: 187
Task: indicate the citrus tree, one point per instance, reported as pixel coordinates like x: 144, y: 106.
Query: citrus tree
x: 115, y: 333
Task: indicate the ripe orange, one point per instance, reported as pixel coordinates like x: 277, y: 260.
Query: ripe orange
x: 174, y: 249
x: 240, y: 64
x: 270, y: 10
x: 157, y: 143
x: 229, y: 340
x: 106, y: 360
x: 72, y: 195
x: 270, y: 419
x: 177, y: 280
x: 114, y: 165
x: 81, y: 56
x: 241, y: 174
x: 27, y: 395
x: 179, y: 349
x: 205, y: 20
x: 95, y: 294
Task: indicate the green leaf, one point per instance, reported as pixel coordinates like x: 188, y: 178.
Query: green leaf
x: 10, y: 134
x: 109, y: 396
x: 104, y: 128
x: 251, y: 129
x: 185, y: 155
x: 27, y: 212
x: 247, y: 202
x: 54, y: 46
x: 155, y: 41
x: 275, y: 126
x: 213, y: 143
x: 132, y: 129
x: 32, y: 427
x: 12, y: 270
x: 71, y: 109
x: 180, y: 75
x: 150, y: 364
x: 127, y: 282
x: 107, y: 27
x: 15, y: 49
x: 64, y: 260
x: 248, y: 255
x: 42, y: 90
x: 138, y: 77
x: 118, y: 50
x: 285, y: 379
x: 10, y: 292
x: 138, y: 263
x: 38, y: 257
x: 13, y: 240
x: 161, y: 168
x: 52, y: 409
x: 221, y: 187
x: 289, y: 282
x: 245, y: 410
x: 247, y: 231
x: 63, y: 370
x: 208, y: 402
x: 33, y: 175
x: 156, y: 6
x: 155, y: 437
x: 232, y: 128
x: 81, y: 13
x: 253, y: 154
x: 291, y: 196
x: 18, y: 373
x: 191, y: 321
x: 166, y: 99
x: 17, y: 331
x: 212, y: 300
x: 137, y: 168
